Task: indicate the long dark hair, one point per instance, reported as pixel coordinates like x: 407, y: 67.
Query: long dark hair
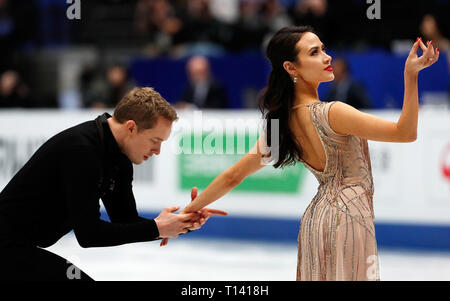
x: 277, y: 99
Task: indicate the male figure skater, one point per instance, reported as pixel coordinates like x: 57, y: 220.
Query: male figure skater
x: 59, y: 188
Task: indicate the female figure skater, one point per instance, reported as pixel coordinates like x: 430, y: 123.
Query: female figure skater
x: 337, y: 235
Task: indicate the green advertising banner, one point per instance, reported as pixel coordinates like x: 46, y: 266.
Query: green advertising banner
x: 202, y: 158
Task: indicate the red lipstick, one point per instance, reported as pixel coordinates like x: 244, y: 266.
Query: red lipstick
x: 329, y: 68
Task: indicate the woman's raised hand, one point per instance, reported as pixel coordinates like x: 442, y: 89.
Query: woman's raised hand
x: 429, y: 56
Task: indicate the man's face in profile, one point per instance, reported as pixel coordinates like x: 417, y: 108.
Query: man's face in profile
x: 140, y: 145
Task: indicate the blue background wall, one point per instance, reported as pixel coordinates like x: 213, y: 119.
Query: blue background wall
x: 379, y: 71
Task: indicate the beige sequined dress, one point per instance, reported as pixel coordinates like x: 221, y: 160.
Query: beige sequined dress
x: 337, y: 235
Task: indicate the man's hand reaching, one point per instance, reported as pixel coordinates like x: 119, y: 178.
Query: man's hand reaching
x: 201, y: 216
x: 171, y: 225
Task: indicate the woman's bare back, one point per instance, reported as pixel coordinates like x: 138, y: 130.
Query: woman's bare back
x: 305, y: 133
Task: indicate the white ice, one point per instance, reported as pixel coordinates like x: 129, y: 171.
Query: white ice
x: 187, y: 259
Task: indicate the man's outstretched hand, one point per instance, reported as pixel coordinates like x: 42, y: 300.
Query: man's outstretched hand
x: 200, y: 219
x: 171, y: 225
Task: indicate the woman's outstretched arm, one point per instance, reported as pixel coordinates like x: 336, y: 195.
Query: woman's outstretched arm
x: 230, y: 178
x: 344, y: 119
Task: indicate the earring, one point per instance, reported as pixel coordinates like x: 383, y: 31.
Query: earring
x: 295, y: 79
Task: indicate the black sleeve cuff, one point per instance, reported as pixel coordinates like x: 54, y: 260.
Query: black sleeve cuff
x: 152, y: 228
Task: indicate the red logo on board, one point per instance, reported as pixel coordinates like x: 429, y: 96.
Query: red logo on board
x: 445, y: 163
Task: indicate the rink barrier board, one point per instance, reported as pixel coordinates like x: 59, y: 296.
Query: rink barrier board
x: 389, y: 235
x: 411, y: 180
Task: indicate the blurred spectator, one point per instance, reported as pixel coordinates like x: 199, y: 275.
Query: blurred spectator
x: 183, y: 28
x: 274, y: 16
x: 344, y: 88
x: 158, y: 21
x: 315, y: 13
x: 199, y: 22
x: 106, y: 91
x: 430, y: 30
x: 202, y: 32
x: 13, y: 92
x: 249, y: 30
x: 430, y: 27
x: 225, y: 10
x: 203, y: 91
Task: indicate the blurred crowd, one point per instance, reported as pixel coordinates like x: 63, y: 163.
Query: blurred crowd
x: 235, y: 25
x: 104, y: 90
x: 199, y: 28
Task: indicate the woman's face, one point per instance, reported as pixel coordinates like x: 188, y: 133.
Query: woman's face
x: 313, y: 64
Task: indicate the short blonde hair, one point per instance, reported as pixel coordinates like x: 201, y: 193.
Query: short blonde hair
x: 144, y: 106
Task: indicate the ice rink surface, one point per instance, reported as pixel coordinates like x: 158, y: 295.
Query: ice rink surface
x: 186, y: 259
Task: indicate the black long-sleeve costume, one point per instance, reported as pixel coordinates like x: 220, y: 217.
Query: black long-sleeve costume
x: 59, y: 189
